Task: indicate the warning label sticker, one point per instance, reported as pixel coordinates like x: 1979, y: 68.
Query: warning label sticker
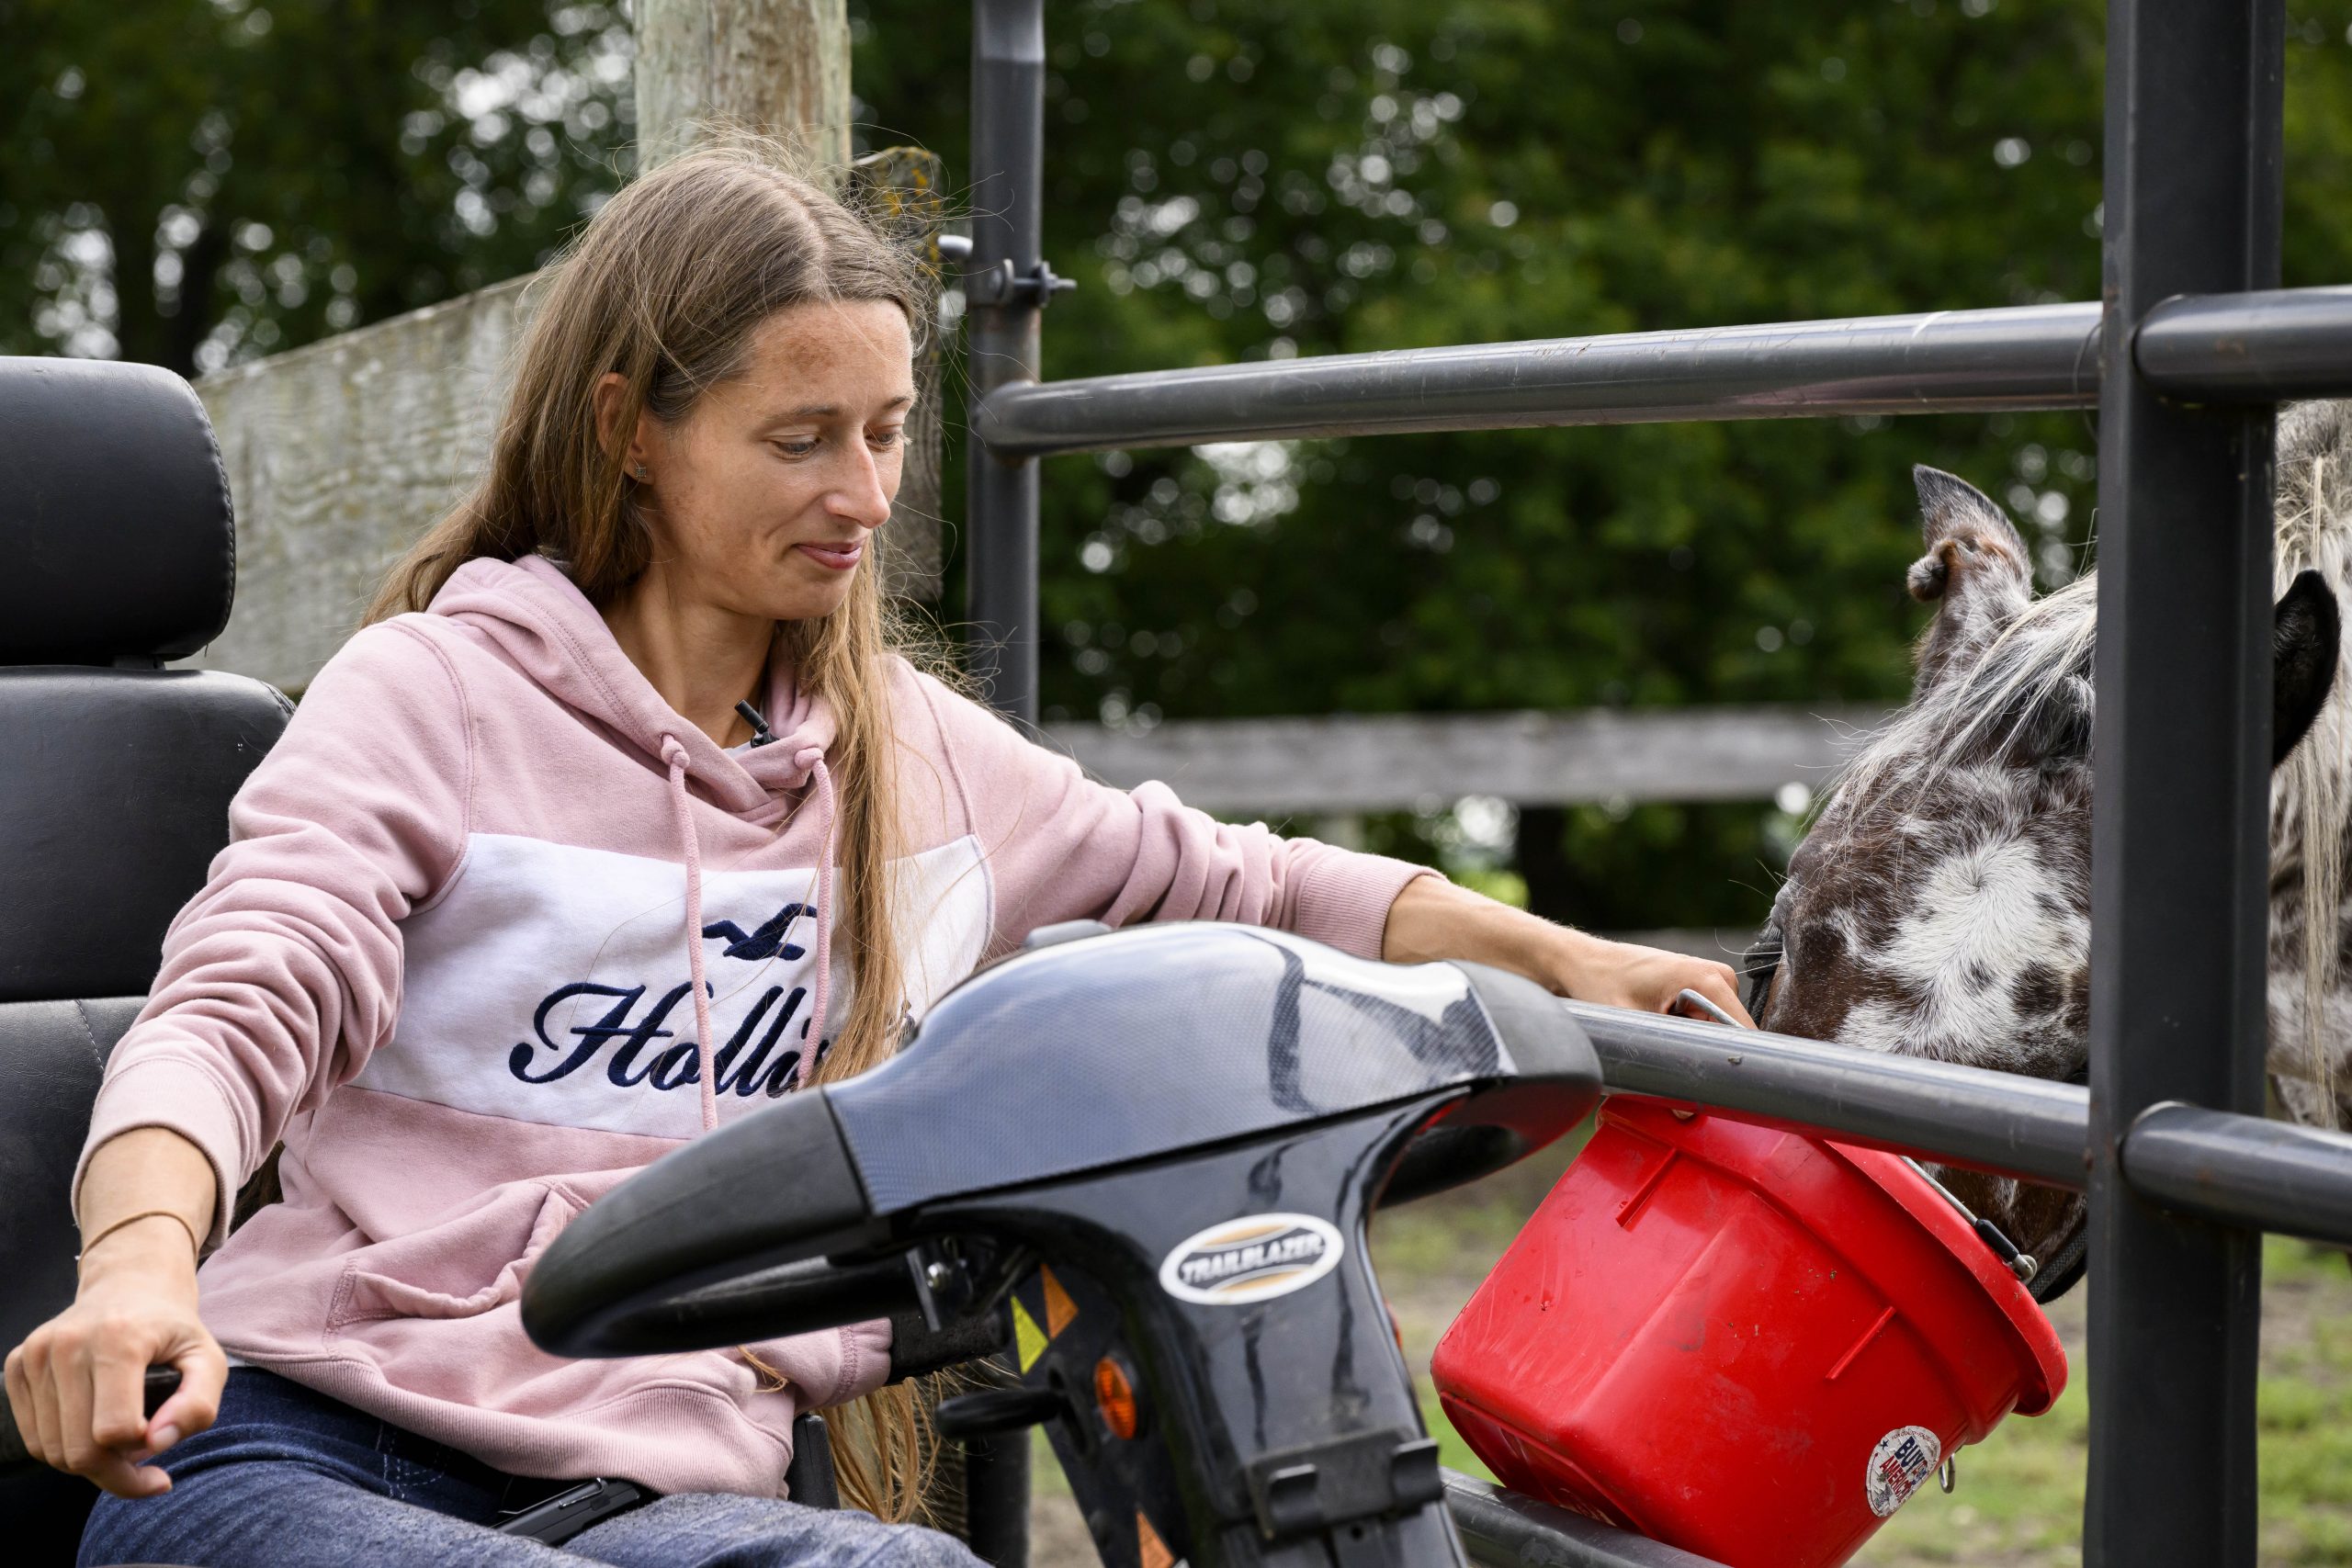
x: 1902, y: 1459
x: 1027, y: 1337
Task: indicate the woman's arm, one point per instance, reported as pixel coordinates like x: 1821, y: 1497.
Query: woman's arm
x: 77, y: 1382
x: 1061, y: 846
x: 283, y: 972
x: 1433, y: 918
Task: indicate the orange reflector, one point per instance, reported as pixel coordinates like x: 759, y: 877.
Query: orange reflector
x: 1150, y: 1551
x: 1059, y: 1308
x: 1114, y: 1396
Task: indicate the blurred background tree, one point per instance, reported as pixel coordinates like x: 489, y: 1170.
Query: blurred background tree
x: 194, y: 182
x: 197, y: 182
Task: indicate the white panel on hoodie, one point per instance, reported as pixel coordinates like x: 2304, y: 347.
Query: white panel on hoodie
x: 548, y: 983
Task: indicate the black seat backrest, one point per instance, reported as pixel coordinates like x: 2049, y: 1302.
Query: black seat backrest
x: 116, y: 553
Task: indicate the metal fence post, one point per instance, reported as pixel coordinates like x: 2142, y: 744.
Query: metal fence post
x: 2182, y: 745
x: 1000, y: 517
x: 1008, y: 157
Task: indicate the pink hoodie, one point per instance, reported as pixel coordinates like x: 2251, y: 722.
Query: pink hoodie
x: 446, y: 959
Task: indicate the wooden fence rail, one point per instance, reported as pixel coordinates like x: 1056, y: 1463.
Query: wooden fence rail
x: 1408, y: 761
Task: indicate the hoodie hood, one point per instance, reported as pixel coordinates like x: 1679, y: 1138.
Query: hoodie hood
x: 532, y: 612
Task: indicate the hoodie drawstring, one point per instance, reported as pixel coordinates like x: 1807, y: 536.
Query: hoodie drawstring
x: 812, y: 759
x: 679, y: 808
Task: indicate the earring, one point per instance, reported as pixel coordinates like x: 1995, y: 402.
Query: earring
x: 643, y: 472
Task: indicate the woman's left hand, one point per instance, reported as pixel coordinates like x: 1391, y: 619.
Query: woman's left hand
x: 1433, y: 918
x: 1648, y: 979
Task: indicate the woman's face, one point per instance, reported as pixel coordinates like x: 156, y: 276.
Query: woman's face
x: 765, y: 497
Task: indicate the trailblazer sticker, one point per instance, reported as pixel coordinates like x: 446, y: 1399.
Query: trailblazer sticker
x: 1254, y: 1259
x: 1904, y: 1458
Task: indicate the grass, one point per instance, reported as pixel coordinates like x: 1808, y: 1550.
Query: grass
x: 2020, y: 1497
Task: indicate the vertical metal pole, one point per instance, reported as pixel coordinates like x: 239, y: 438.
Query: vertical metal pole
x: 1008, y: 157
x: 1000, y: 507
x: 2182, y: 745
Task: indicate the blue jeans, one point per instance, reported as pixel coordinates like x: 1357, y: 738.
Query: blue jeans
x: 287, y: 1478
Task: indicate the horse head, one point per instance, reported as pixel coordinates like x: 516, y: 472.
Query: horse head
x: 1939, y: 904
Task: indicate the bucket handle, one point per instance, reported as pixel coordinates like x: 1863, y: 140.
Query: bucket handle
x: 1687, y: 998
x: 2020, y: 1263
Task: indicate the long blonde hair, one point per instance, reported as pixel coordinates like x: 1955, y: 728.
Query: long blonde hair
x: 664, y: 288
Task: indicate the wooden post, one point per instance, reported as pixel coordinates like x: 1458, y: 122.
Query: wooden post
x: 904, y: 186
x: 779, y: 66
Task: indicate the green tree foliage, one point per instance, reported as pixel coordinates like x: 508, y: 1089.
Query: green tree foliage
x: 1232, y: 181
x: 193, y: 182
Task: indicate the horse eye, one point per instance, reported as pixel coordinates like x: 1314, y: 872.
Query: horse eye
x: 1762, y: 962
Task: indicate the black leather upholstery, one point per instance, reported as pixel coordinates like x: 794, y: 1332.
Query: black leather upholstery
x: 116, y: 551
x: 111, y: 807
x: 114, y: 515
x: 54, y: 1052
x: 113, y: 801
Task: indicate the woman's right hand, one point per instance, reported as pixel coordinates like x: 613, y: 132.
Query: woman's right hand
x: 78, y: 1383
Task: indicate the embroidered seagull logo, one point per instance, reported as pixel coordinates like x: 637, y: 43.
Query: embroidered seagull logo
x: 763, y: 943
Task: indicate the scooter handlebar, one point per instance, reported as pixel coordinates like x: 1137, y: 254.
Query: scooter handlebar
x: 791, y: 1298
x: 694, y: 1245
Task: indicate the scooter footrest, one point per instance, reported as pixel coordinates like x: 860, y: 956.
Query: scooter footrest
x: 995, y: 1410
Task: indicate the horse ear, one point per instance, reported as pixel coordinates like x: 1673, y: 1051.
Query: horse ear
x: 2306, y: 636
x: 1975, y: 570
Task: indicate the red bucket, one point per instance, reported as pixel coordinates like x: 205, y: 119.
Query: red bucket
x: 1745, y: 1341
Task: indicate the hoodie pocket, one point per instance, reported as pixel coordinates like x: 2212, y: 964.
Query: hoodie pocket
x: 466, y: 1264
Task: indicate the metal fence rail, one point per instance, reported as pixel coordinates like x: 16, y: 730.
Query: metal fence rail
x: 2259, y: 347
x: 2180, y: 1169
x: 2000, y: 1121
x: 2221, y: 1166
x: 2039, y: 357
x: 2242, y: 1171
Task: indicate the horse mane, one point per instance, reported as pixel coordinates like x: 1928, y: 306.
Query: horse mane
x: 2310, y: 792
x: 2042, y: 659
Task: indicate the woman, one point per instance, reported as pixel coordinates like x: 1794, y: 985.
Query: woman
x: 621, y: 818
